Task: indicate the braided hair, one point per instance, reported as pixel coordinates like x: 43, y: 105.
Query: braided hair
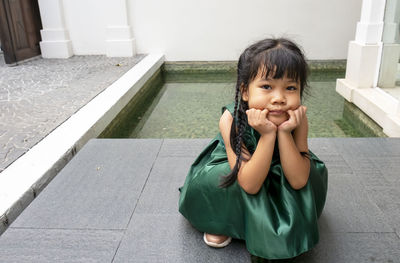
x: 271, y: 57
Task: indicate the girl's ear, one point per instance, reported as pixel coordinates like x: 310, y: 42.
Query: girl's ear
x: 244, y: 92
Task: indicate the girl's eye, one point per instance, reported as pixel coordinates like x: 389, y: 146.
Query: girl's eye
x: 291, y: 88
x: 266, y: 87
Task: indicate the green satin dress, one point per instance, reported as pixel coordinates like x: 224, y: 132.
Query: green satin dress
x: 276, y: 223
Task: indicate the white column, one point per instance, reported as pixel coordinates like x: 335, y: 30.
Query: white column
x: 120, y: 41
x: 388, y: 69
x: 362, y: 70
x: 391, y: 46
x: 370, y: 27
x: 55, y: 38
x: 363, y: 55
x: 364, y: 52
x: 392, y: 18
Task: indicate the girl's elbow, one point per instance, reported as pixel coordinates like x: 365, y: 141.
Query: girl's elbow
x: 299, y: 184
x: 252, y: 190
x: 302, y: 179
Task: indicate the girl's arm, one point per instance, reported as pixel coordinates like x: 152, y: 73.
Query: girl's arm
x: 296, y: 167
x: 300, y: 135
x: 253, y: 172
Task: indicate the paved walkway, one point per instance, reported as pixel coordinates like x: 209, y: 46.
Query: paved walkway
x: 117, y: 201
x: 37, y: 96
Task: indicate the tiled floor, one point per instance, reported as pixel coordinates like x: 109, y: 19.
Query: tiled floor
x: 117, y: 201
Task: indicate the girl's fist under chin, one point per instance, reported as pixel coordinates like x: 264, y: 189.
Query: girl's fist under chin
x: 258, y: 120
x: 296, y: 118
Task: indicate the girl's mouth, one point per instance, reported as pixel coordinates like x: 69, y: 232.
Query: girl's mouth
x: 276, y: 112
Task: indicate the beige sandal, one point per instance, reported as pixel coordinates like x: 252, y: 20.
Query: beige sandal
x: 217, y: 245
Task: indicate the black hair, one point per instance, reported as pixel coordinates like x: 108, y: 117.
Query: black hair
x: 277, y: 58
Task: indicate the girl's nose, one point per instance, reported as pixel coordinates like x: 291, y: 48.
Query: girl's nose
x: 278, y: 98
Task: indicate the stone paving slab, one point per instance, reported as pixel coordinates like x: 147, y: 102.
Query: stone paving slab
x: 59, y: 245
x: 98, y: 190
x: 359, y: 222
x: 353, y: 247
x: 182, y: 147
x: 160, y: 194
x: 349, y: 209
x: 170, y: 238
x: 387, y: 199
x: 39, y: 95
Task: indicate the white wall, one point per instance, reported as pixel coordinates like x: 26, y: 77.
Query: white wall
x: 86, y: 22
x: 217, y: 29
x: 220, y: 29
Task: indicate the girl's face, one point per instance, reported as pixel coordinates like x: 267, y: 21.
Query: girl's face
x: 276, y: 95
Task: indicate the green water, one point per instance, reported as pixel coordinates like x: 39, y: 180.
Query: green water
x: 192, y: 110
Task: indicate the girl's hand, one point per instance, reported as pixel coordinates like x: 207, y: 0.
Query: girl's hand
x: 258, y: 120
x: 296, y: 119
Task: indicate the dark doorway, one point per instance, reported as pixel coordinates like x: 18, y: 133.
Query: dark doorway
x: 20, y: 27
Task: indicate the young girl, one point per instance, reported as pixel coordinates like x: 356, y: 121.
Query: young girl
x: 257, y: 180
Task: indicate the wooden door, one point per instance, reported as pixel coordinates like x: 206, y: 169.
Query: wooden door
x: 20, y: 27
